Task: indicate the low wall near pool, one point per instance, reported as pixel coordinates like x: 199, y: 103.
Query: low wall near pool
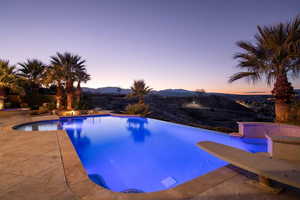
x: 261, y: 129
x: 9, y: 114
x: 283, y: 139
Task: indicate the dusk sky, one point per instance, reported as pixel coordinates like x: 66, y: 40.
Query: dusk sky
x: 186, y: 44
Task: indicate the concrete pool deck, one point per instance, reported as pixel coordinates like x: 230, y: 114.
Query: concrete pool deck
x: 44, y: 165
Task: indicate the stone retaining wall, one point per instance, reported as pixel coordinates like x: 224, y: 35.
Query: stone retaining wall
x: 261, y: 129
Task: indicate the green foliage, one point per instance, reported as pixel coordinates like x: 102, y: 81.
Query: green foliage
x: 51, y: 105
x: 8, y: 105
x: 32, y: 70
x: 14, y: 100
x: 8, y: 78
x: 32, y: 99
x: 274, y: 52
x: 70, y: 68
x: 137, y: 109
x: 64, y: 70
x: 139, y: 90
x: 83, y: 104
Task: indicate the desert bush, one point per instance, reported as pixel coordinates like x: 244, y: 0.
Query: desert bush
x: 50, y: 105
x: 137, y: 109
x: 14, y: 101
x: 24, y: 105
x: 44, y: 108
x: 41, y: 110
x: 8, y: 105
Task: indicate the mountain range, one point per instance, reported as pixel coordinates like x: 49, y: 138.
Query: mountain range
x: 117, y: 90
x: 165, y: 92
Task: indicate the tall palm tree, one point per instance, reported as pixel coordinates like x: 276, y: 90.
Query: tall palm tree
x: 32, y: 70
x: 81, y: 77
x: 274, y: 56
x: 8, y: 79
x: 139, y: 90
x: 54, y: 75
x: 69, y: 63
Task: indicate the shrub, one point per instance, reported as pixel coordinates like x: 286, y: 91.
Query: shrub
x: 137, y: 109
x: 8, y: 105
x: 14, y: 101
x: 50, y: 106
x: 24, y: 105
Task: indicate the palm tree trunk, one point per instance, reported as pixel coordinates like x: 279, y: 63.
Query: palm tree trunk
x: 282, y: 111
x: 141, y: 99
x: 78, y: 93
x: 35, y: 94
x: 69, y: 95
x: 69, y: 100
x: 2, y: 98
x: 283, y: 93
x: 59, y: 96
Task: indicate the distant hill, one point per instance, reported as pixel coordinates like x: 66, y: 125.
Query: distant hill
x: 106, y: 90
x: 166, y: 92
x: 175, y: 93
x: 118, y: 90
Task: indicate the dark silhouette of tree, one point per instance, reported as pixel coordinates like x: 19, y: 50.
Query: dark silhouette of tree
x: 137, y: 128
x: 275, y: 56
x: 139, y: 90
x: 70, y: 64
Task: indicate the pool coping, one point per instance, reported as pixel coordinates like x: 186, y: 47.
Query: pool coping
x: 77, y: 179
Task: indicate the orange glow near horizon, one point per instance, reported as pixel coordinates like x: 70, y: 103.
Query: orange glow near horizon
x: 243, y: 88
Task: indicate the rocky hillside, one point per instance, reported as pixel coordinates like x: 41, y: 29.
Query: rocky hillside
x: 207, y: 111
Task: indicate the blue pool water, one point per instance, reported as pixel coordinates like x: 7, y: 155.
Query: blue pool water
x: 49, y: 125
x: 133, y: 154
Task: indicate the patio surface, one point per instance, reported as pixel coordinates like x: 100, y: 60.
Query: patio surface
x: 34, y: 167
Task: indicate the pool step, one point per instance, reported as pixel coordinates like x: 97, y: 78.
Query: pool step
x: 99, y: 180
x: 132, y: 190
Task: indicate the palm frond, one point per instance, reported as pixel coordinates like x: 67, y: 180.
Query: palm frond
x: 252, y: 76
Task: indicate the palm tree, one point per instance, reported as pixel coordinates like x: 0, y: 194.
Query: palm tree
x: 70, y: 64
x: 81, y: 77
x: 139, y: 90
x: 274, y: 56
x: 8, y: 79
x: 33, y: 71
x: 55, y: 75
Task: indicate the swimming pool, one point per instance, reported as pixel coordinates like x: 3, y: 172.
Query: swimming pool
x: 134, y: 154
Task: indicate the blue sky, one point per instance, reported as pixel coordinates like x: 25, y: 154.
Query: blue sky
x: 185, y: 44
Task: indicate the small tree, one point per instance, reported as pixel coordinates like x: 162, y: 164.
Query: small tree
x: 200, y: 90
x: 138, y: 90
x: 81, y: 77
